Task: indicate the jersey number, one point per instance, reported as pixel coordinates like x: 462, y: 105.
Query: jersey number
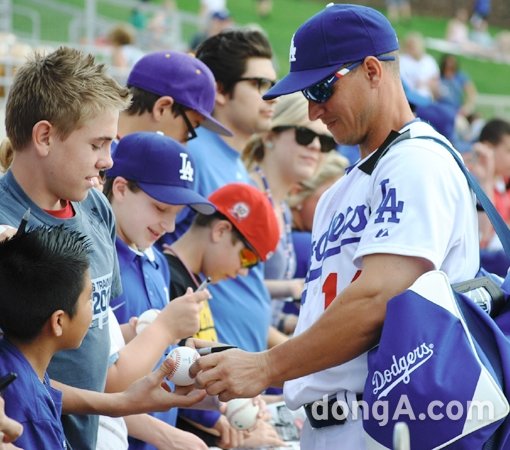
x: 329, y: 289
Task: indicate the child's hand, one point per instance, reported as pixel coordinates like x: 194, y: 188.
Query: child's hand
x: 6, y: 232
x: 151, y: 393
x: 182, y: 315
x: 229, y: 436
x: 263, y: 435
x: 10, y: 430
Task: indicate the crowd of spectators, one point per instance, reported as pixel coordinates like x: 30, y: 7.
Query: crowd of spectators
x: 186, y: 130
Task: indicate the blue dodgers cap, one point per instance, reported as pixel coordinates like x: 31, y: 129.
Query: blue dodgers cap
x: 184, y: 78
x: 338, y: 35
x: 161, y: 167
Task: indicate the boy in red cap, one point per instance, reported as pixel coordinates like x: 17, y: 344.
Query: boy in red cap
x: 242, y: 232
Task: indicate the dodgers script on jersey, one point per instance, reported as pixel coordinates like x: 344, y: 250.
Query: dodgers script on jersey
x: 415, y: 203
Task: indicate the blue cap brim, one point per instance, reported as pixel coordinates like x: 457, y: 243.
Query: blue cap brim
x: 178, y: 195
x: 216, y: 127
x: 297, y: 81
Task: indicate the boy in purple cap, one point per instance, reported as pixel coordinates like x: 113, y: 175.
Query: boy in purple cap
x: 174, y: 93
x: 394, y: 216
x: 150, y: 182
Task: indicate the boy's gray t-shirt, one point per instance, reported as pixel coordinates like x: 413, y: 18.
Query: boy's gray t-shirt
x: 86, y: 366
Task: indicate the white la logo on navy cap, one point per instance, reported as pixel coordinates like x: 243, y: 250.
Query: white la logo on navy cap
x: 186, y: 171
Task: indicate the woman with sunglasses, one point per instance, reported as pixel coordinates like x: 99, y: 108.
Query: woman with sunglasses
x: 289, y: 153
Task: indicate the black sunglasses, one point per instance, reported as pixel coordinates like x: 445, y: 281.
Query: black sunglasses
x: 323, y: 90
x: 263, y: 84
x: 192, y: 134
x: 305, y: 136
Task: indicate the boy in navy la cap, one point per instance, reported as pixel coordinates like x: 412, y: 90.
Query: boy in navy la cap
x: 151, y: 180
x: 173, y: 92
x: 339, y: 35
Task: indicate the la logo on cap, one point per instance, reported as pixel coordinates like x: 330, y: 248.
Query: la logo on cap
x: 186, y: 171
x: 240, y: 211
x: 292, y: 51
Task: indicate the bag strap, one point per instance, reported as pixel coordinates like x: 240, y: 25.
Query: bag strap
x: 497, y: 221
x: 393, y: 138
x: 495, y: 218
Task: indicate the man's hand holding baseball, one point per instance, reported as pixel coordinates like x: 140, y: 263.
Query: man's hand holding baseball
x: 232, y: 374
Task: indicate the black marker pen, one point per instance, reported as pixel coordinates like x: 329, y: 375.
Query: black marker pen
x: 204, y: 284
x: 23, y: 223
x: 7, y: 379
x: 208, y: 350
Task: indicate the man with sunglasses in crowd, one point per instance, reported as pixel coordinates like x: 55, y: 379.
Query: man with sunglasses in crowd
x: 394, y: 216
x: 241, y: 61
x: 173, y: 93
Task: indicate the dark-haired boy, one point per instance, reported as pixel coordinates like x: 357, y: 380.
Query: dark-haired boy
x: 45, y: 306
x: 225, y: 245
x: 60, y: 135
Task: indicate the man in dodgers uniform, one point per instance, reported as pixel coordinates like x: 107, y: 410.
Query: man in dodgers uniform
x: 386, y: 222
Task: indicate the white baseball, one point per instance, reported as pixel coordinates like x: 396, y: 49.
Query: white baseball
x: 184, y: 357
x: 146, y: 318
x: 242, y: 413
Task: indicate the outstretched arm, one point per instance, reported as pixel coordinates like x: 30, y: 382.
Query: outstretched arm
x: 160, y: 434
x: 178, y: 320
x: 6, y: 231
x: 350, y: 326
x: 147, y: 394
x: 10, y: 430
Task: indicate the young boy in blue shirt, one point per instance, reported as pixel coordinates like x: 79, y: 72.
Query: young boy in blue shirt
x: 150, y: 182
x: 45, y: 307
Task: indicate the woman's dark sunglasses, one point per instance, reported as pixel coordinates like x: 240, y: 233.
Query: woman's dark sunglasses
x: 305, y: 136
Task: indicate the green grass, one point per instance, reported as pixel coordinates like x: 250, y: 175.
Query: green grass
x: 490, y: 78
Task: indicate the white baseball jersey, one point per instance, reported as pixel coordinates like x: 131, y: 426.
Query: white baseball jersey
x: 415, y: 203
